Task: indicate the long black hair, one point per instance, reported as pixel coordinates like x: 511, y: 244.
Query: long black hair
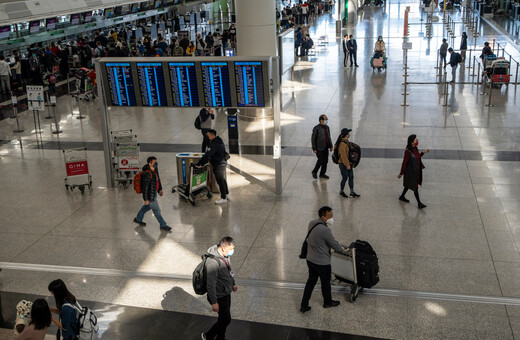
x: 40, y: 314
x: 61, y: 293
x: 409, y: 144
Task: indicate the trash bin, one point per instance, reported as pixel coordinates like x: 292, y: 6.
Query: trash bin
x: 183, y: 167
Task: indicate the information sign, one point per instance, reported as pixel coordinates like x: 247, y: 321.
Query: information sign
x: 249, y: 83
x: 152, y: 85
x: 74, y: 19
x: 184, y: 84
x: 121, y: 84
x: 35, y: 97
x: 5, y: 31
x: 50, y: 23
x: 34, y: 26
x: 215, y: 78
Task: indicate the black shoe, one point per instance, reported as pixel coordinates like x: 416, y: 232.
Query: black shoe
x: 404, y: 199
x: 353, y: 194
x: 305, y: 309
x: 342, y: 194
x: 357, y: 65
x: 324, y: 176
x: 422, y: 205
x: 165, y: 228
x: 314, y: 175
x: 142, y: 224
x: 331, y: 304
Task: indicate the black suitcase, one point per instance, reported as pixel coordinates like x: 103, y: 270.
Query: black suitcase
x: 367, y: 264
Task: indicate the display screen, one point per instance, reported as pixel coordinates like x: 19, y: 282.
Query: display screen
x: 5, y: 31
x: 109, y: 13
x: 135, y: 8
x: 250, y: 83
x: 34, y: 26
x: 50, y: 24
x: 88, y: 17
x: 151, y: 82
x: 215, y: 77
x: 74, y: 19
x: 184, y: 84
x: 121, y: 84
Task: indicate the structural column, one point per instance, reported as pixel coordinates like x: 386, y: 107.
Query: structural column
x: 257, y: 36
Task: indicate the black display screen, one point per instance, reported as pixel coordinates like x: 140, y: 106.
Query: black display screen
x: 121, y: 84
x: 184, y: 84
x: 151, y: 84
x: 215, y: 77
x: 249, y: 83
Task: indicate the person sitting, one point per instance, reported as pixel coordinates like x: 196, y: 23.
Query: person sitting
x: 486, y: 51
x: 380, y: 46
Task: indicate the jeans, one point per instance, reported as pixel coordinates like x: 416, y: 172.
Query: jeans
x: 323, y: 159
x: 154, y: 206
x: 224, y: 319
x: 443, y: 58
x: 454, y: 72
x: 220, y: 176
x: 346, y: 174
x: 5, y: 83
x: 324, y: 273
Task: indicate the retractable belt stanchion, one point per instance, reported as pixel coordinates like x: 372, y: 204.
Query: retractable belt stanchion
x: 445, y: 89
x: 57, y: 130
x: 48, y: 111
x: 489, y: 99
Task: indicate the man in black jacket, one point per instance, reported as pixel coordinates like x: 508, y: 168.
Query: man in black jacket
x: 455, y: 59
x: 216, y: 155
x: 150, y: 186
x: 321, y: 144
x: 352, y: 49
x: 206, y: 116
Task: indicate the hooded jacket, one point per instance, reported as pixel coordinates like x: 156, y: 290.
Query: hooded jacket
x: 216, y: 153
x: 219, y: 280
x: 149, y: 183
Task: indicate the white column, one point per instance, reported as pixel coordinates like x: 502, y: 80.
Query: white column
x: 256, y: 28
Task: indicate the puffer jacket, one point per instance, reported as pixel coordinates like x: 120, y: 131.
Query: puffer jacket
x: 149, y: 183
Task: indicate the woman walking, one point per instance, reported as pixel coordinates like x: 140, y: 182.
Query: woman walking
x: 347, y: 172
x: 68, y: 323
x: 412, y: 170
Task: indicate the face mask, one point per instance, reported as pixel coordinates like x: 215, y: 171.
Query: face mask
x: 325, y: 122
x: 330, y: 222
x: 155, y: 165
x: 416, y: 143
x: 231, y: 252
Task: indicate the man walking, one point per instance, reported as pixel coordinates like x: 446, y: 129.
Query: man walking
x: 150, y: 186
x: 320, y: 241
x: 344, y: 43
x: 216, y: 155
x: 5, y: 75
x: 220, y: 283
x: 455, y: 59
x: 321, y: 144
x: 463, y: 47
x: 442, y: 51
x: 352, y: 49
x: 205, y: 125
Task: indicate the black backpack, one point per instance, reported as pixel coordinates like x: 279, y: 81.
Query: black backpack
x: 459, y: 58
x: 354, y: 154
x: 198, y: 123
x: 200, y: 276
x: 367, y: 264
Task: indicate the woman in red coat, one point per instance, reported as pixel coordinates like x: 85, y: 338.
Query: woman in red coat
x: 412, y: 170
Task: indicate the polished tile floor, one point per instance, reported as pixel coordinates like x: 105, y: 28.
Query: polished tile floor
x: 466, y: 242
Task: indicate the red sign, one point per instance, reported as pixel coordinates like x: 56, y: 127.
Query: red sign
x: 77, y: 168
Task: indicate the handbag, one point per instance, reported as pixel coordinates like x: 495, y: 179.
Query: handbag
x: 303, y: 252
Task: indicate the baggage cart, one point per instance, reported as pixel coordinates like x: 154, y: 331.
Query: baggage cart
x: 344, y: 269
x: 125, y: 156
x: 197, y: 184
x: 76, y: 166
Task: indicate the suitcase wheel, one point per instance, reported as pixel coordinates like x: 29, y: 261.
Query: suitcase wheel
x: 354, y: 291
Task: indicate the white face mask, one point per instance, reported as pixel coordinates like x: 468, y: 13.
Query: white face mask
x: 325, y: 122
x: 330, y: 221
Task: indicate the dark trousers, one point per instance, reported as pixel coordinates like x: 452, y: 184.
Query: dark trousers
x: 323, y: 159
x: 317, y: 271
x: 205, y: 140
x: 353, y: 56
x: 220, y: 176
x: 346, y: 174
x: 415, y: 193
x: 218, y: 330
x: 345, y: 56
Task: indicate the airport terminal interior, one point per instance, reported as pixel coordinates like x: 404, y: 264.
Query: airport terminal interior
x: 447, y: 271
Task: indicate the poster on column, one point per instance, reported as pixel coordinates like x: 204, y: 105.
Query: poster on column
x: 35, y: 98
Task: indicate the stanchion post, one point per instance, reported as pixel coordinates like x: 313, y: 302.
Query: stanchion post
x: 18, y: 128
x: 445, y: 89
x: 405, y: 75
x: 438, y: 64
x: 516, y: 77
x: 489, y: 101
x: 47, y: 109
x: 493, y: 44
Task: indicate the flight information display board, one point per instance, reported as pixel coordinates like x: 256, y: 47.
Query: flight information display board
x: 120, y: 84
x: 249, y: 83
x: 183, y: 79
x: 215, y: 78
x: 152, y: 84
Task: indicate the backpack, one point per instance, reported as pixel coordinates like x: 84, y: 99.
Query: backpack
x: 198, y: 123
x: 354, y: 154
x: 335, y: 153
x: 459, y: 58
x: 200, y: 279
x: 87, y: 321
x: 137, y: 182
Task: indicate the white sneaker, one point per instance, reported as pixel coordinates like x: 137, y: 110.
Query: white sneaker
x: 221, y: 201
x: 227, y: 197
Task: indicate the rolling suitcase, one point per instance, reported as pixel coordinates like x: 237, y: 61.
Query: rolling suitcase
x: 367, y: 264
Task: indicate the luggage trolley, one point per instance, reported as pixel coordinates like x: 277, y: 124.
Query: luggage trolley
x: 197, y: 184
x: 76, y: 165
x: 344, y: 269
x: 125, y: 156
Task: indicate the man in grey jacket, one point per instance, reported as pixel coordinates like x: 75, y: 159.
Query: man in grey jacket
x: 321, y: 144
x: 220, y: 284
x: 320, y: 242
